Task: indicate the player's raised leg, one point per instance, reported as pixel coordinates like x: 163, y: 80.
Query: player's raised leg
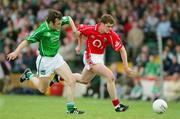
x: 40, y: 83
x: 85, y: 77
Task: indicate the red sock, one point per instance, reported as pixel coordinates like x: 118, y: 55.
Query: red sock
x: 116, y: 102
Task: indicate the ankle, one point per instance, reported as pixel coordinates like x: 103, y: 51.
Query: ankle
x: 116, y: 102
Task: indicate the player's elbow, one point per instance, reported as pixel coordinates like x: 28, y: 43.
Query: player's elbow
x: 122, y: 49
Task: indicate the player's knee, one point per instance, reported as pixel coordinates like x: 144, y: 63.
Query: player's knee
x: 71, y: 82
x: 77, y: 75
x: 42, y: 90
x: 110, y: 78
x: 82, y: 81
x: 85, y: 82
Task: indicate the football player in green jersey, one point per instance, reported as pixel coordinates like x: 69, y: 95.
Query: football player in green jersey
x: 49, y: 60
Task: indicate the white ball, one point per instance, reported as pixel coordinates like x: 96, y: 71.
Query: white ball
x: 160, y: 106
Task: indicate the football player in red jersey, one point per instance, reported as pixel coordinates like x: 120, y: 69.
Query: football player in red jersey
x: 97, y: 38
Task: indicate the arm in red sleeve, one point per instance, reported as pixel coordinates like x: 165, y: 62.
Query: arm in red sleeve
x: 85, y: 29
x: 115, y: 41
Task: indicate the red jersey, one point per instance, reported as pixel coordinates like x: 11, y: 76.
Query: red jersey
x: 97, y: 42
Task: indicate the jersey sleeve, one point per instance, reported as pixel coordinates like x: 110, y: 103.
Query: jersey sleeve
x: 65, y: 20
x: 34, y: 36
x: 115, y: 41
x: 84, y: 29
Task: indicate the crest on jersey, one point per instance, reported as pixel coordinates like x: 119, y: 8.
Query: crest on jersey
x: 117, y: 43
x: 105, y: 39
x: 47, y: 34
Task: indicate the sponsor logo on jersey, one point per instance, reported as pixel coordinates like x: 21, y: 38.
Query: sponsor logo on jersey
x: 97, y: 43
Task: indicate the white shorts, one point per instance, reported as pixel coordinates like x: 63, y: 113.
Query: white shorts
x: 95, y: 58
x: 47, y: 65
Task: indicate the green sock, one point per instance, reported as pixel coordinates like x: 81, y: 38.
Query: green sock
x: 70, y: 106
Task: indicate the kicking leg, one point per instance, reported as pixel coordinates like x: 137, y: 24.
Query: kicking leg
x: 41, y: 83
x: 85, y: 77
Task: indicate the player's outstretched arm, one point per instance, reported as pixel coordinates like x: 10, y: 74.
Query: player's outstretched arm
x: 80, y: 42
x: 127, y: 69
x: 72, y: 25
x: 13, y: 55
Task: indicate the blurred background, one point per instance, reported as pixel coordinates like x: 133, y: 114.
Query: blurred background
x: 137, y: 23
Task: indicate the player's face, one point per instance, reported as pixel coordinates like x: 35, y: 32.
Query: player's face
x: 57, y: 24
x: 107, y: 27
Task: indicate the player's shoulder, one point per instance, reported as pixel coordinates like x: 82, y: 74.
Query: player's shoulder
x: 85, y: 26
x: 43, y: 26
x: 40, y: 29
x: 113, y: 33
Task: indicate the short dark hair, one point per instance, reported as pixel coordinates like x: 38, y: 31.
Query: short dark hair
x: 107, y: 18
x: 53, y: 14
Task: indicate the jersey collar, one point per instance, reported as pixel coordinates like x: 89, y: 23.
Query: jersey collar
x: 47, y: 26
x: 97, y: 27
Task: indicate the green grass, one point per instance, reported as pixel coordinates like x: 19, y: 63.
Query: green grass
x: 42, y: 107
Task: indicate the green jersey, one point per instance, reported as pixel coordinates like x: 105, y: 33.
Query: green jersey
x: 48, y: 38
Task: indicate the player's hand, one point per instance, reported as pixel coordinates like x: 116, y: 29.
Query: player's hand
x: 12, y: 56
x: 78, y: 50
x: 131, y: 73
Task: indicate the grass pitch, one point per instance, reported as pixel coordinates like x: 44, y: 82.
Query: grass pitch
x: 43, y: 107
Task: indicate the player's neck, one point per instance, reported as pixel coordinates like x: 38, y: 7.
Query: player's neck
x: 100, y: 28
x: 52, y: 27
